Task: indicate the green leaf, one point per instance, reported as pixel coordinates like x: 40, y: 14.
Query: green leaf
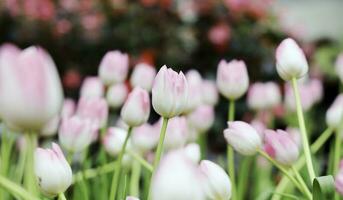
x: 323, y: 188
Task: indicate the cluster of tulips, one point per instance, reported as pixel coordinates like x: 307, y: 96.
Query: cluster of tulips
x: 164, y: 160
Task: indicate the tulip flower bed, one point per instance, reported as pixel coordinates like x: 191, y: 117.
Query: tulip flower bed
x: 94, y: 157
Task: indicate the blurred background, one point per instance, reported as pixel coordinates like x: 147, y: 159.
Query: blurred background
x: 182, y: 34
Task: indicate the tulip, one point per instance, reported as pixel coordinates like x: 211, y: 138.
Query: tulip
x: 51, y: 127
x: 114, y: 140
x: 194, y: 81
x: 307, y: 96
x: 334, y: 115
x: 131, y: 198
x: 295, y: 135
x: 210, y: 93
x: 202, y: 118
x: 192, y: 151
x: 176, y: 133
x: 144, y: 138
x: 92, y: 87
x: 259, y: 126
x: 53, y: 172
x: 290, y: 60
x: 177, y: 178
x: 75, y: 133
x: 217, y: 182
x: 169, y: 93
x: 30, y: 88
x: 68, y: 108
x: 95, y: 109
x: 143, y: 76
x: 262, y: 96
x: 136, y: 109
x: 116, y: 95
x: 242, y: 137
x: 232, y: 79
x: 339, y: 179
x: 114, y: 67
x: 339, y: 66
x: 280, y: 146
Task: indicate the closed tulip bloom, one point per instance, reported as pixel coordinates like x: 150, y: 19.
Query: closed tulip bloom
x: 144, y: 138
x: 92, y: 87
x: 176, y: 134
x: 143, y: 76
x: 210, y: 93
x: 75, y: 133
x: 334, y: 115
x: 202, y: 118
x: 339, y: 66
x: 136, y: 109
x: 192, y: 151
x: 217, y: 182
x: 242, y: 137
x: 114, y: 140
x: 95, y: 109
x: 51, y: 127
x: 307, y: 97
x: 290, y: 60
x: 259, y: 126
x: 169, y: 93
x: 131, y: 198
x: 232, y: 79
x: 263, y: 96
x: 295, y: 135
x: 194, y: 82
x: 68, y: 108
x: 114, y: 67
x: 30, y: 89
x: 116, y: 95
x: 53, y: 172
x: 177, y: 178
x: 339, y: 179
x: 280, y: 145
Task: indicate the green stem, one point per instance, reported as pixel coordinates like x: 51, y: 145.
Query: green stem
x: 135, y: 176
x: 6, y: 148
x: 230, y: 153
x: 243, y: 177
x: 302, y: 182
x: 302, y: 126
x: 29, y: 181
x: 61, y: 197
x: 337, y: 153
x: 117, y: 172
x: 283, y: 170
x: 202, y: 144
x: 141, y: 160
x: 15, y: 189
x: 159, y: 150
x: 92, y: 173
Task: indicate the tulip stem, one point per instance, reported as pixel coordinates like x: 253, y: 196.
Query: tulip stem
x: 6, y: 148
x: 302, y: 126
x: 61, y: 196
x: 135, y: 176
x: 283, y: 184
x: 15, y: 189
x: 301, y: 181
x: 117, y: 172
x: 159, y: 150
x: 141, y: 160
x: 29, y: 181
x: 337, y: 152
x: 230, y: 153
x: 283, y: 170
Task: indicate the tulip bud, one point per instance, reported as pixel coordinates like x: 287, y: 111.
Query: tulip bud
x: 307, y: 97
x: 116, y: 95
x: 144, y: 138
x: 95, y: 109
x: 339, y: 66
x: 232, y: 79
x: 194, y: 82
x: 262, y: 96
x: 169, y: 93
x: 217, y: 182
x: 176, y: 133
x: 143, y: 76
x: 136, y: 109
x: 295, y: 135
x: 114, y: 140
x: 290, y: 60
x: 339, y: 179
x: 51, y: 127
x: 30, y: 89
x: 92, y: 87
x: 75, y: 133
x: 334, y: 115
x: 192, y: 151
x: 280, y: 146
x: 68, y: 108
x: 53, y: 172
x: 114, y: 67
x: 210, y: 93
x: 201, y: 118
x: 259, y: 126
x: 242, y: 137
x: 131, y: 198
x: 176, y: 178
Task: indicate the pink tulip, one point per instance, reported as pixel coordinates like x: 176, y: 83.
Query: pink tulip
x: 259, y: 126
x: 210, y: 93
x: 169, y: 93
x: 202, y: 118
x: 194, y: 81
x: 243, y: 137
x: 334, y: 115
x: 290, y: 60
x: 295, y: 135
x: 262, y: 96
x: 116, y: 95
x: 30, y: 88
x: 136, y: 109
x: 92, y: 87
x: 143, y: 76
x: 51, y: 127
x: 308, y: 96
x: 280, y: 145
x: 53, y: 172
x: 192, y: 152
x: 232, y: 79
x: 131, y: 198
x: 75, y: 133
x: 68, y: 108
x: 95, y: 109
x: 177, y: 132
x: 144, y: 138
x: 339, y: 66
x: 114, y: 140
x: 114, y: 67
